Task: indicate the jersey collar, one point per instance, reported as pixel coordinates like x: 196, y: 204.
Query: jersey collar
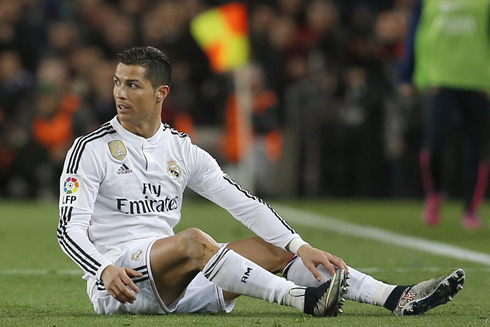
x: 133, y: 138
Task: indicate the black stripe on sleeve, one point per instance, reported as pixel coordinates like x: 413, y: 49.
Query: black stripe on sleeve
x: 77, y: 254
x: 174, y: 131
x: 75, y: 257
x: 70, y: 209
x: 80, y: 145
x: 74, y: 171
x: 253, y: 197
x: 79, y: 142
x: 82, y: 261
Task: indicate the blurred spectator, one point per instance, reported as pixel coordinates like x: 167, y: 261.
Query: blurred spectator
x: 118, y: 34
x: 38, y: 163
x: 100, y: 99
x: 63, y: 39
x: 16, y: 83
x: 16, y: 86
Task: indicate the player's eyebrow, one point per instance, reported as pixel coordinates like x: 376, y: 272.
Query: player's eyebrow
x: 129, y: 80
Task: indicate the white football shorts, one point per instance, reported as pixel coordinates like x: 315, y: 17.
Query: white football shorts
x: 200, y: 296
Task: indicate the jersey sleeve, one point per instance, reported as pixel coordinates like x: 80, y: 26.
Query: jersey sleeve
x: 79, y: 185
x: 208, y: 180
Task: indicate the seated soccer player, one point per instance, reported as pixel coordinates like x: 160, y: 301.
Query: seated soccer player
x: 121, y: 197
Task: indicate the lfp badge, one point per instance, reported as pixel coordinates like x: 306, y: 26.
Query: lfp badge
x: 70, y: 188
x: 71, y: 185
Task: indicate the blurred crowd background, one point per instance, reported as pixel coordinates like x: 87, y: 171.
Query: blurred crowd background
x: 328, y: 117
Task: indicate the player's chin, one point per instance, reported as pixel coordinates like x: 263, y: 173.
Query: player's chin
x: 123, y: 115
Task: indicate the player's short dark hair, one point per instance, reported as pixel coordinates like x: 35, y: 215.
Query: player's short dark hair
x: 155, y: 62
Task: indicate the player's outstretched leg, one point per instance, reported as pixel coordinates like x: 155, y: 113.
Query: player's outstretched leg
x: 426, y: 295
x: 327, y: 299
x: 365, y: 289
x: 240, y: 276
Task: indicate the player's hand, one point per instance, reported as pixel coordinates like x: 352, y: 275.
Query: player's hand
x: 312, y: 258
x: 117, y: 280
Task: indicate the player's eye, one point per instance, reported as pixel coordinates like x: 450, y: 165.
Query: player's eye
x: 116, y: 82
x: 133, y: 86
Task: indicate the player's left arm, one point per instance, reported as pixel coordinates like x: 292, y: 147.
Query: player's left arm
x: 209, y: 181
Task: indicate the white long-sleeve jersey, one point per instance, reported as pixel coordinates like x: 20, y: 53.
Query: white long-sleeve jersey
x: 119, y: 189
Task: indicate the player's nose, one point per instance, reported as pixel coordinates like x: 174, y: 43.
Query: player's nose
x: 119, y: 92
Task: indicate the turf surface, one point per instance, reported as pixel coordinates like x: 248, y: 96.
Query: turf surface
x: 41, y: 286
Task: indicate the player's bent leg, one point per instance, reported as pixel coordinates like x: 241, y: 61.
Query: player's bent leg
x: 238, y: 275
x: 176, y: 260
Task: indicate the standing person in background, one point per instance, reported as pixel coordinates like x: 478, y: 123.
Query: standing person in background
x: 448, y: 57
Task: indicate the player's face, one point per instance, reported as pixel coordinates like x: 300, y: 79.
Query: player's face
x: 137, y: 104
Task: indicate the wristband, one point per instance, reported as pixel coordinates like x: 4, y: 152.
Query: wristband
x: 295, y: 244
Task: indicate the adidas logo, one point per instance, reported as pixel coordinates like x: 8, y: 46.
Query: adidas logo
x: 124, y: 170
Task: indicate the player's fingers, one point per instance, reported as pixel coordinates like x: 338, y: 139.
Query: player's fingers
x: 130, y: 283
x: 115, y: 292
x: 125, y: 294
x: 112, y: 293
x: 328, y: 265
x: 338, y: 262
x: 132, y: 272
x: 312, y: 268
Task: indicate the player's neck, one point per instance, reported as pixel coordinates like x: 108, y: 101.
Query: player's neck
x: 145, y: 129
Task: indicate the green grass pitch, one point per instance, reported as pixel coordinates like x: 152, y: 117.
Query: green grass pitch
x: 39, y: 286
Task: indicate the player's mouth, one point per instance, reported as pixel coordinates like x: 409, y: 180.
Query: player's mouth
x: 122, y: 108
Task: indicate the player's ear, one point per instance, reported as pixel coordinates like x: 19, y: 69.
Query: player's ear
x: 162, y: 92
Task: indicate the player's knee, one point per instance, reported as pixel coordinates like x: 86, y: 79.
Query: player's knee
x: 198, y: 243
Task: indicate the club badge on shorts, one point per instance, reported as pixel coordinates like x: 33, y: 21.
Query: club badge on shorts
x: 173, y: 170
x: 118, y: 149
x: 137, y: 255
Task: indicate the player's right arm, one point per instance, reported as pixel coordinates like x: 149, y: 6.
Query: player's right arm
x: 79, y: 186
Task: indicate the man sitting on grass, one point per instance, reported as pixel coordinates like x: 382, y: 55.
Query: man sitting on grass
x: 121, y: 197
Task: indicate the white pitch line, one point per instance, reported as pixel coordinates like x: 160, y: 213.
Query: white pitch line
x: 41, y: 272
x: 304, y: 218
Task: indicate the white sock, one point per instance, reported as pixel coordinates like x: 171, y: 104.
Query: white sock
x: 236, y: 274
x: 363, y: 288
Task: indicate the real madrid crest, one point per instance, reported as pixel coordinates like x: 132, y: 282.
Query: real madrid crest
x: 118, y: 149
x: 137, y: 255
x: 173, y: 170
